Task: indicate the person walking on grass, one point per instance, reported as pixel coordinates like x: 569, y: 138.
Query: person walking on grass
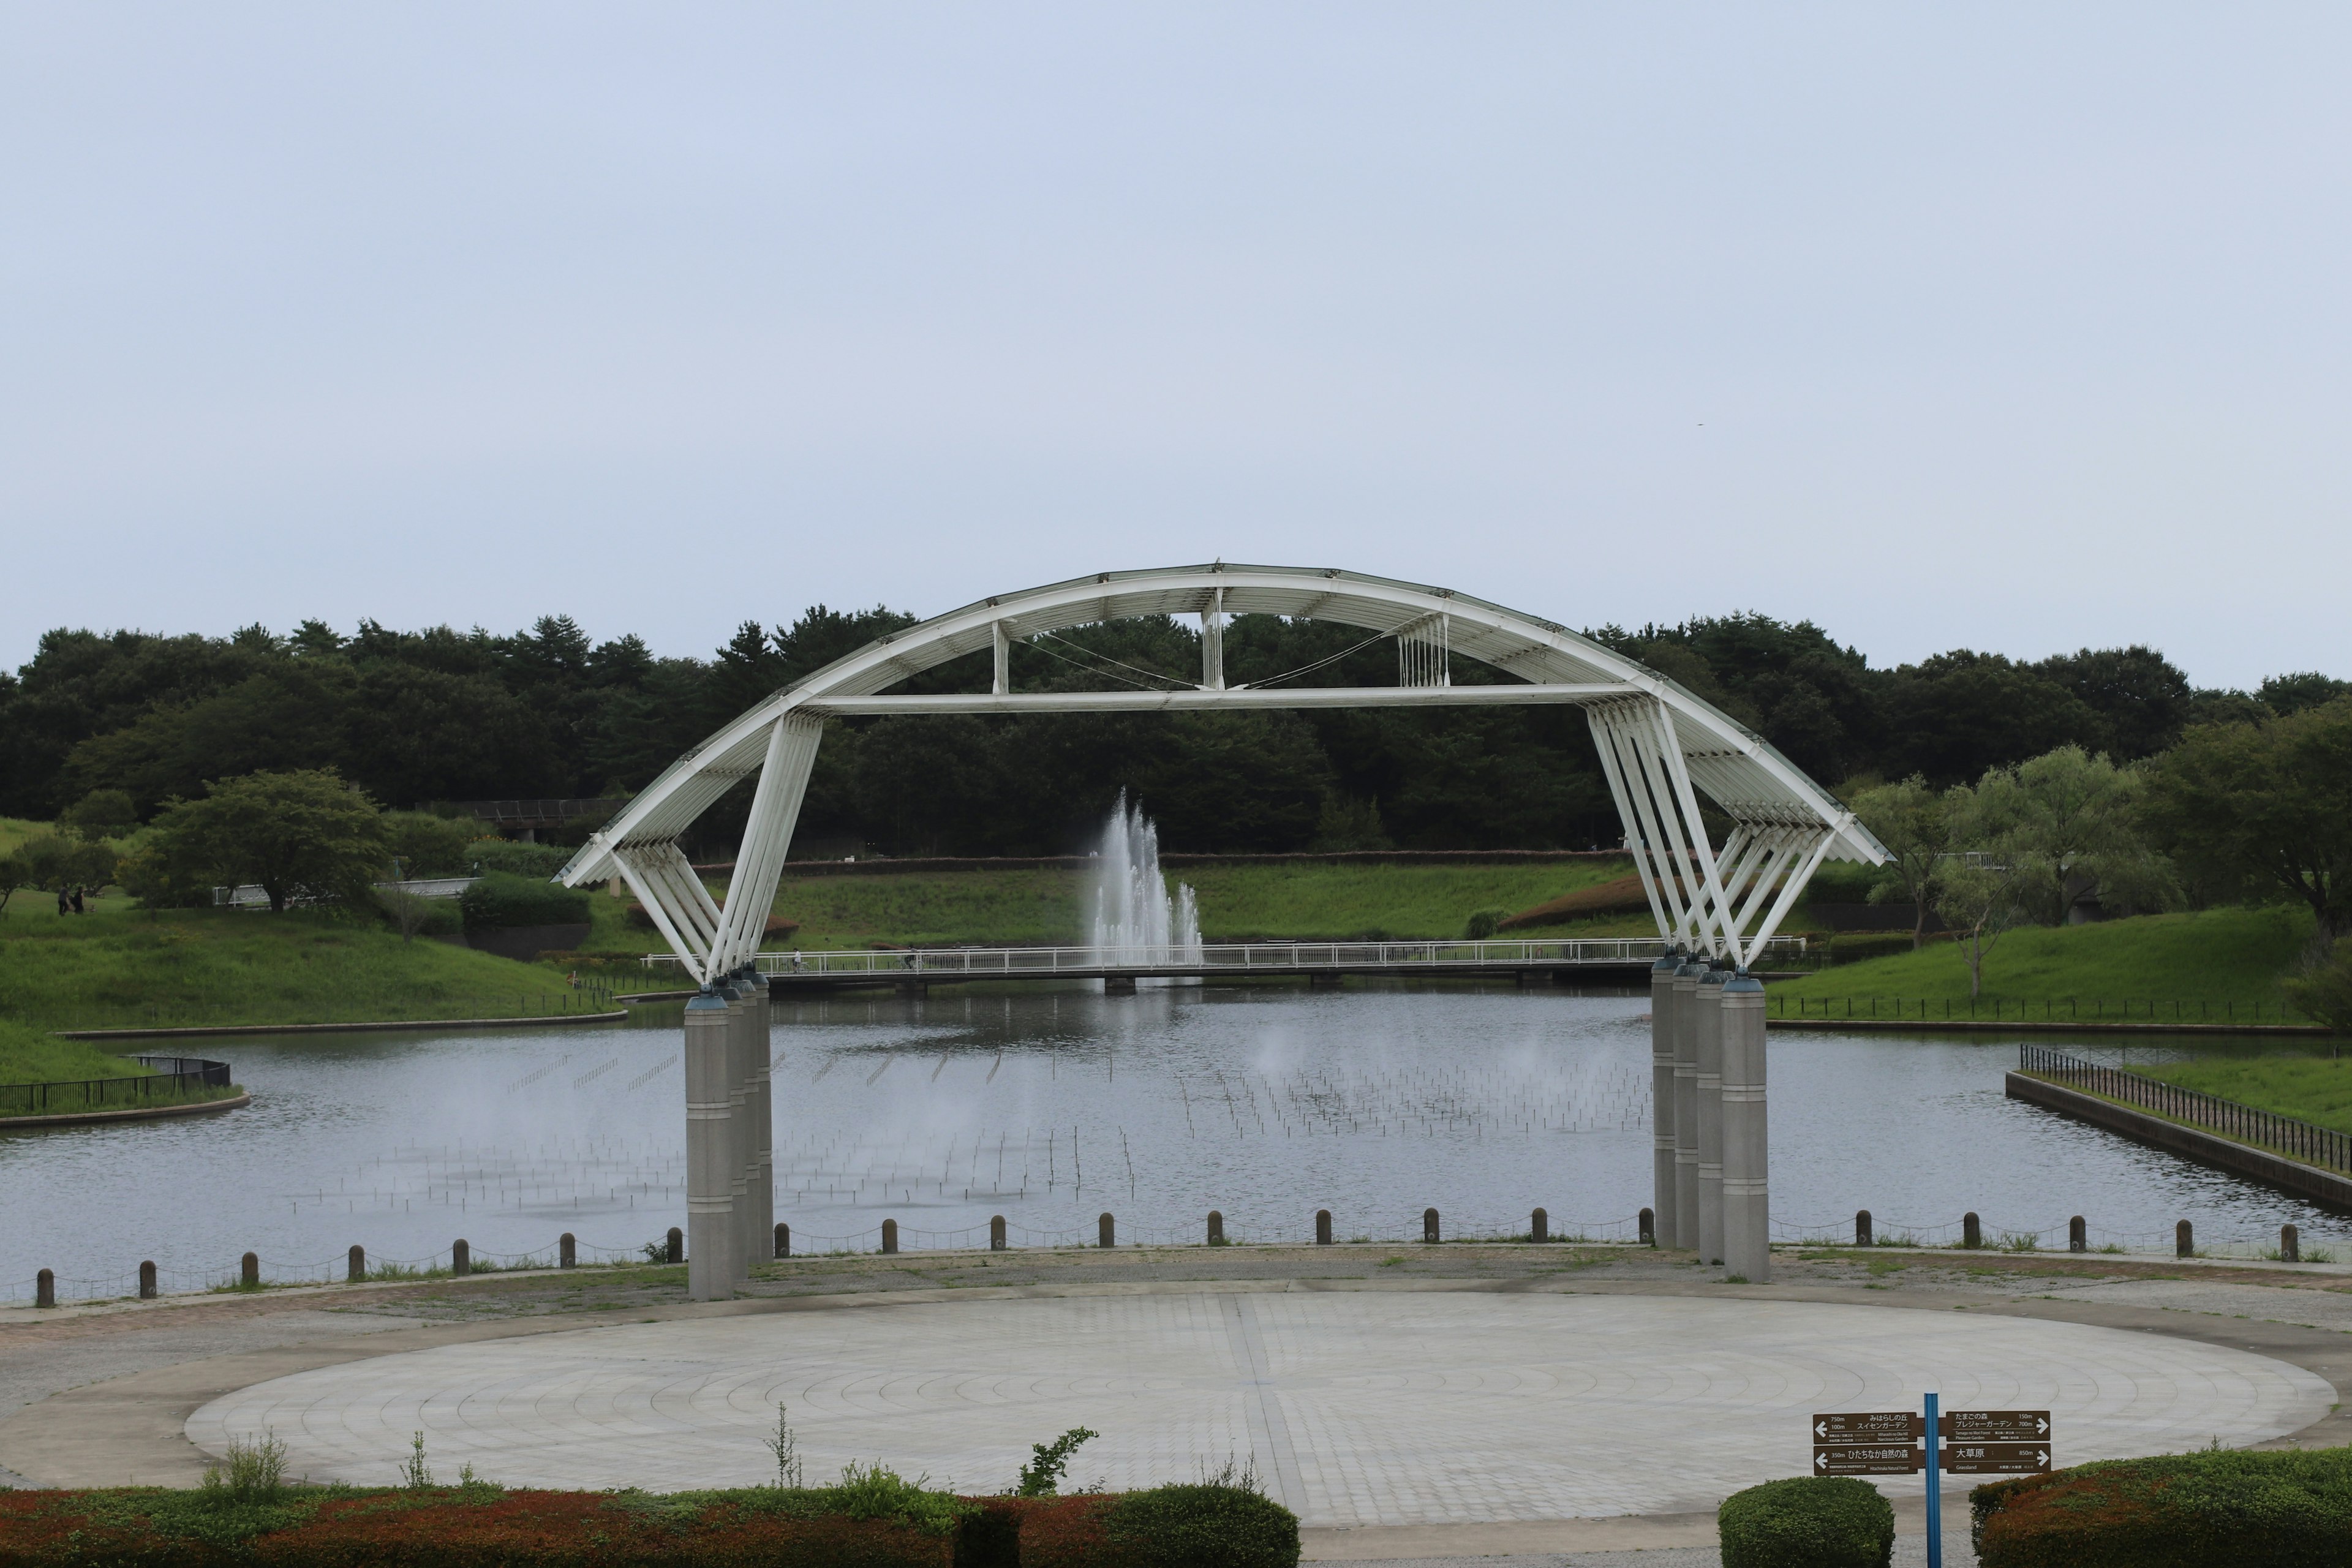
x: 65, y: 903
x: 76, y: 900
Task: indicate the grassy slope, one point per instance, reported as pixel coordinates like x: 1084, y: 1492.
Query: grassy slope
x: 1235, y: 902
x: 117, y: 966
x: 2217, y: 956
x: 2316, y: 1088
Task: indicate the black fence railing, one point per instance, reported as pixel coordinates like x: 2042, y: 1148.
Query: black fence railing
x: 173, y: 1076
x: 2050, y: 1010
x: 2249, y: 1124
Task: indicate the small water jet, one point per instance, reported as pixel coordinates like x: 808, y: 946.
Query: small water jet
x: 1134, y: 912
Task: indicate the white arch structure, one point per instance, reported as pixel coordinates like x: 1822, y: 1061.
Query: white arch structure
x: 1664, y: 751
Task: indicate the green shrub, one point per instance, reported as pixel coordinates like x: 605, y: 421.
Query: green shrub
x: 501, y: 900
x: 1482, y: 924
x: 2324, y: 991
x: 540, y: 860
x: 1201, y: 1526
x: 429, y: 846
x: 2217, y: 1509
x: 1807, y: 1522
x: 1854, y: 946
x: 415, y: 916
x: 1210, y: 1525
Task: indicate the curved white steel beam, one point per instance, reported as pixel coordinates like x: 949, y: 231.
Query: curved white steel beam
x: 1692, y: 748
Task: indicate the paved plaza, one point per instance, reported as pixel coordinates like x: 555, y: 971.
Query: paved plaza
x: 1359, y: 1408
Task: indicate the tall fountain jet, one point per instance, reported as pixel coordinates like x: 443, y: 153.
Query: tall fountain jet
x: 1133, y: 909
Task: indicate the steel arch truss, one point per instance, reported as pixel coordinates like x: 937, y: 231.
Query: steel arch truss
x: 1663, y: 749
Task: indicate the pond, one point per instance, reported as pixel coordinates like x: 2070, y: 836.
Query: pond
x: 1050, y: 1107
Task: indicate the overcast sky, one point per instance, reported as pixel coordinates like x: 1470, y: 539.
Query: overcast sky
x: 2018, y: 328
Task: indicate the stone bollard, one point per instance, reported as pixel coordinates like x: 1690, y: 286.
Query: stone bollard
x: 783, y: 1239
x: 1971, y: 1232
x: 567, y: 1251
x: 1104, y: 1233
x: 1428, y: 1225
x: 355, y: 1265
x: 1322, y: 1227
x: 249, y: 1271
x: 45, y: 1288
x: 2290, y: 1245
x: 461, y: 1256
x: 1862, y: 1233
x: 2078, y: 1235
x: 674, y: 1246
x: 889, y: 1235
x: 1216, y: 1228
x: 147, y: 1279
x: 1648, y: 1231
x: 996, y: 1233
x: 1539, y: 1226
x: 2184, y: 1240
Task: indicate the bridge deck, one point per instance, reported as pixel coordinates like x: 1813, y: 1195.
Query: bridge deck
x: 1218, y: 960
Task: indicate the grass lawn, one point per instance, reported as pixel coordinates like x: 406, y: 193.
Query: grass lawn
x: 120, y: 967
x: 2213, y: 956
x: 1237, y: 902
x: 2315, y: 1089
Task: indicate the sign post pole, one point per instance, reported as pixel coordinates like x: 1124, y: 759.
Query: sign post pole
x: 1935, y: 1491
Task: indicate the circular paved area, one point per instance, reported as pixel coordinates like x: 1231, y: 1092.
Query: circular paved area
x: 1358, y: 1408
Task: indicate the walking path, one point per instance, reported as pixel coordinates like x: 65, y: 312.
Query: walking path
x: 1520, y: 1405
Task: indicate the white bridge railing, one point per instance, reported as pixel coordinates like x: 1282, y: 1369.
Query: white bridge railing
x: 1222, y: 958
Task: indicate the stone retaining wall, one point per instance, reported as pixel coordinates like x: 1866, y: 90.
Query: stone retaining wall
x: 2207, y: 1148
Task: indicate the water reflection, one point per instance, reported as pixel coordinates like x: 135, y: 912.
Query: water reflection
x: 1050, y: 1107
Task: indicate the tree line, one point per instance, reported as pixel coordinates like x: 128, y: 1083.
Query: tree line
x: 415, y: 718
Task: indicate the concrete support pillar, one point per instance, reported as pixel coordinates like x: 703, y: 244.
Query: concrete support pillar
x: 1686, y: 1102
x: 1710, y: 1114
x: 740, y: 1249
x: 758, y: 1038
x: 709, y: 1178
x: 1746, y: 1162
x: 1661, y: 1098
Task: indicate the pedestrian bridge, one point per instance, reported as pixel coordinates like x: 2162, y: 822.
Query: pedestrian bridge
x: 1217, y: 961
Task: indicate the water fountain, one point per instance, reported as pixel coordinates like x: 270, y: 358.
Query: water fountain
x: 1133, y: 909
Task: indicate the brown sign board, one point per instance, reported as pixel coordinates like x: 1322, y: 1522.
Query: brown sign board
x: 1857, y: 1459
x: 1994, y: 1458
x: 1996, y: 1426
x: 1869, y: 1428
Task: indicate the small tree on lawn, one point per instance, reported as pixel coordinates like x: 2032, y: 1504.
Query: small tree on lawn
x: 13, y: 874
x: 54, y: 862
x: 298, y: 834
x: 2073, y: 822
x: 1979, y: 891
x: 1910, y: 819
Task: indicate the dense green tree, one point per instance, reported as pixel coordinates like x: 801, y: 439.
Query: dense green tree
x: 2266, y: 809
x: 2141, y: 701
x: 298, y: 834
x: 2294, y: 693
x: 1951, y: 717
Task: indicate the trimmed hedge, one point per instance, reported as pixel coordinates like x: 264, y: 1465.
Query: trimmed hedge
x: 873, y: 1519
x: 1807, y: 1522
x: 1199, y: 1526
x: 461, y: 1527
x: 2217, y: 1509
x: 516, y: 859
x: 500, y: 899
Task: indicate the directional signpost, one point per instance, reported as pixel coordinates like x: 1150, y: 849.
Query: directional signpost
x: 1963, y: 1442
